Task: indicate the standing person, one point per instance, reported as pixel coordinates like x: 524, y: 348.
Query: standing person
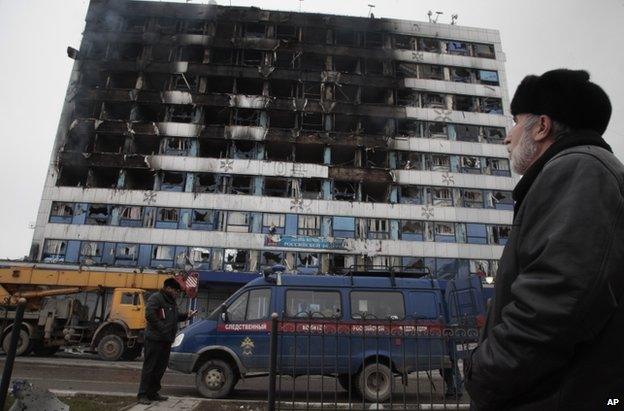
x: 554, y: 330
x: 161, y: 313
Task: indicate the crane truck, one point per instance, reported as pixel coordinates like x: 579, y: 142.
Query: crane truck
x: 112, y: 328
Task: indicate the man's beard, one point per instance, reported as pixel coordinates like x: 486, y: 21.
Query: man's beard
x: 523, y: 155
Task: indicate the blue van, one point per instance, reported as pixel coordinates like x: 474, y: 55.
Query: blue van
x: 363, y: 330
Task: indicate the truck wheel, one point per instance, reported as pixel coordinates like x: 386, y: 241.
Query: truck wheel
x: 215, y: 379
x: 131, y: 354
x: 111, y: 347
x: 374, y: 382
x: 24, y: 344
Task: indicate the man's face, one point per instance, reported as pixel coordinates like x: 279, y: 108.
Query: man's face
x: 520, y: 144
x: 173, y: 292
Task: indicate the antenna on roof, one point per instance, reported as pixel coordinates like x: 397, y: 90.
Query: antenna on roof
x: 430, y: 13
x: 454, y: 19
x: 300, y: 1
x: 370, y: 10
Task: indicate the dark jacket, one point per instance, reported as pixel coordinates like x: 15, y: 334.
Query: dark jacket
x: 554, y: 336
x: 161, y: 313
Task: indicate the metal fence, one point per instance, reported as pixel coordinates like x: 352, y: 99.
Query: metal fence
x: 325, y: 363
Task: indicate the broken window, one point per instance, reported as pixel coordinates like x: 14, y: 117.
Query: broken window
x: 373, y: 39
x: 374, y: 67
x: 444, y: 232
x: 431, y: 72
x: 309, y: 225
x: 88, y: 109
x: 461, y: 75
x: 122, y: 79
x: 411, y: 195
x: 208, y: 183
x: 182, y: 82
x: 92, y: 79
x: 90, y: 249
x: 241, y: 185
x: 235, y: 260
x: 346, y: 64
x: 168, y: 215
x: 257, y: 30
x: 103, y: 177
x: 375, y: 95
x: 249, y: 86
x: 155, y: 81
x: 145, y: 144
x: 203, y: 219
x: 98, y: 214
x: 273, y: 223
x: 312, y: 91
x: 404, y: 42
x: 470, y: 164
x: 237, y: 222
x: 311, y: 188
x: 438, y: 162
x: 500, y: 234
x: 345, y: 123
x: 139, y: 180
x: 310, y: 153
x: 163, y: 252
x: 166, y: 25
x: 130, y: 212
x: 405, y: 69
x: 488, y: 77
x: 312, y: 121
x: 463, y: 103
x: 345, y: 191
x: 62, y: 209
x: 436, y: 130
x: 288, y: 33
x: 378, y: 229
x: 467, y: 133
x: 458, y: 48
x: 345, y: 38
x: 246, y: 117
x: 497, y: 167
x: 375, y: 157
x: 411, y: 230
x: 149, y: 113
x: 282, y: 89
x: 193, y: 26
x: 494, y: 135
x: 199, y: 256
x: 479, y: 268
x: 309, y: 261
x: 97, y: 50
x: 54, y: 251
x: 276, y: 187
x: 109, y: 143
x: 126, y: 253
x: 343, y: 156
x: 252, y: 58
x: 429, y: 44
x: 491, y: 105
x: 343, y: 227
x: 312, y: 62
x: 117, y: 111
x: 213, y: 148
x: 501, y: 200
x: 242, y: 149
x: 408, y: 97
x: 270, y: 258
x: 409, y: 160
x: 216, y: 116
x: 172, y: 181
x: 434, y: 100
x: 472, y: 198
x: 484, y: 50
x: 173, y: 146
x: 345, y: 93
x: 314, y: 35
x: 277, y: 151
x: 223, y: 56
x: 441, y: 196
x: 225, y: 30
x: 191, y: 54
x: 374, y: 192
x: 375, y: 125
x: 130, y: 51
x: 219, y: 84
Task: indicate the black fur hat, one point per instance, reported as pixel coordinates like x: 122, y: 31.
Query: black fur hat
x: 171, y: 282
x: 567, y: 96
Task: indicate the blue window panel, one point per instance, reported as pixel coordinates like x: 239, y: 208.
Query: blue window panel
x: 203, y: 220
x: 108, y: 255
x: 291, y: 224
x: 166, y: 224
x: 125, y: 222
x: 344, y: 223
x: 411, y: 237
x: 502, y: 241
x: 476, y: 230
x: 505, y: 173
x: 425, y: 304
x: 487, y: 75
x: 344, y: 234
x: 61, y: 219
x: 145, y: 253
x: 73, y: 251
x: 502, y: 206
x: 180, y: 259
x: 161, y: 264
x: 80, y: 213
x: 185, y: 219
x: 477, y: 240
x: 445, y: 238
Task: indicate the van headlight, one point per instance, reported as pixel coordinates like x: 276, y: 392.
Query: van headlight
x: 178, y: 340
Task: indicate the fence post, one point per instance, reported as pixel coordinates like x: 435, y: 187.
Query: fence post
x: 10, y: 355
x: 273, y: 362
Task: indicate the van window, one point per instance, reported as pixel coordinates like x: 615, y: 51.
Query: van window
x: 252, y: 305
x: 318, y: 304
x: 425, y: 304
x: 377, y: 305
x: 258, y: 305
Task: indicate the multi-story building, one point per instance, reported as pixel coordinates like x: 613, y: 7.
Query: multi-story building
x: 229, y: 139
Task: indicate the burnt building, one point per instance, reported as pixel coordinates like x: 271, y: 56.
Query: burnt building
x: 229, y: 139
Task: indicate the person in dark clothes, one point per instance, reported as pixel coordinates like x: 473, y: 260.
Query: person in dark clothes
x: 161, y: 313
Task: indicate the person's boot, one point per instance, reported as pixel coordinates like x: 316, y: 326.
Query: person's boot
x: 158, y: 397
x: 144, y: 401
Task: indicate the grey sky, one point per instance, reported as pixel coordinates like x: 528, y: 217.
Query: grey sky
x: 536, y: 36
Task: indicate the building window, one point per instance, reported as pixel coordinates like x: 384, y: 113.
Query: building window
x: 488, y: 77
x: 412, y: 230
x: 378, y: 229
x: 308, y: 263
x: 91, y: 249
x: 235, y: 260
x: 54, y: 251
x: 500, y: 234
x: 125, y: 253
x: 237, y: 222
x: 444, y: 232
x: 476, y: 233
x: 273, y: 223
x: 163, y: 252
x: 411, y: 195
x: 471, y: 165
x: 168, y: 214
x: 98, y: 214
x: 442, y: 196
x: 344, y: 227
x: 472, y: 198
x: 309, y: 225
x: 498, y: 167
x: 130, y: 213
x: 270, y: 258
x: 203, y: 219
x: 62, y: 209
x: 199, y: 257
x: 501, y: 200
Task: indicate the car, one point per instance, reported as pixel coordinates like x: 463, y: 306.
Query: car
x: 362, y: 329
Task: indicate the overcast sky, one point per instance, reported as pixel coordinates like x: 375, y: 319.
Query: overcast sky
x: 537, y: 35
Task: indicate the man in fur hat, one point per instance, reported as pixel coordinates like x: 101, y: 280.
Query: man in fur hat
x: 554, y: 330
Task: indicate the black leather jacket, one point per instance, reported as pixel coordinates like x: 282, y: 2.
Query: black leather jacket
x: 161, y: 313
x: 554, y: 337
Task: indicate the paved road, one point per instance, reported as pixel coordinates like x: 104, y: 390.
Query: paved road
x: 91, y: 375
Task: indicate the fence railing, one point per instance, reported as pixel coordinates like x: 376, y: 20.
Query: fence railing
x: 329, y: 363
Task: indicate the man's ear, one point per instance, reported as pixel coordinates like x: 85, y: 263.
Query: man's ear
x: 544, y: 128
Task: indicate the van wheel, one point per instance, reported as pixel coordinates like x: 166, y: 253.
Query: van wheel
x: 111, y: 347
x: 215, y: 379
x: 24, y: 343
x: 374, y: 382
x: 344, y: 379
